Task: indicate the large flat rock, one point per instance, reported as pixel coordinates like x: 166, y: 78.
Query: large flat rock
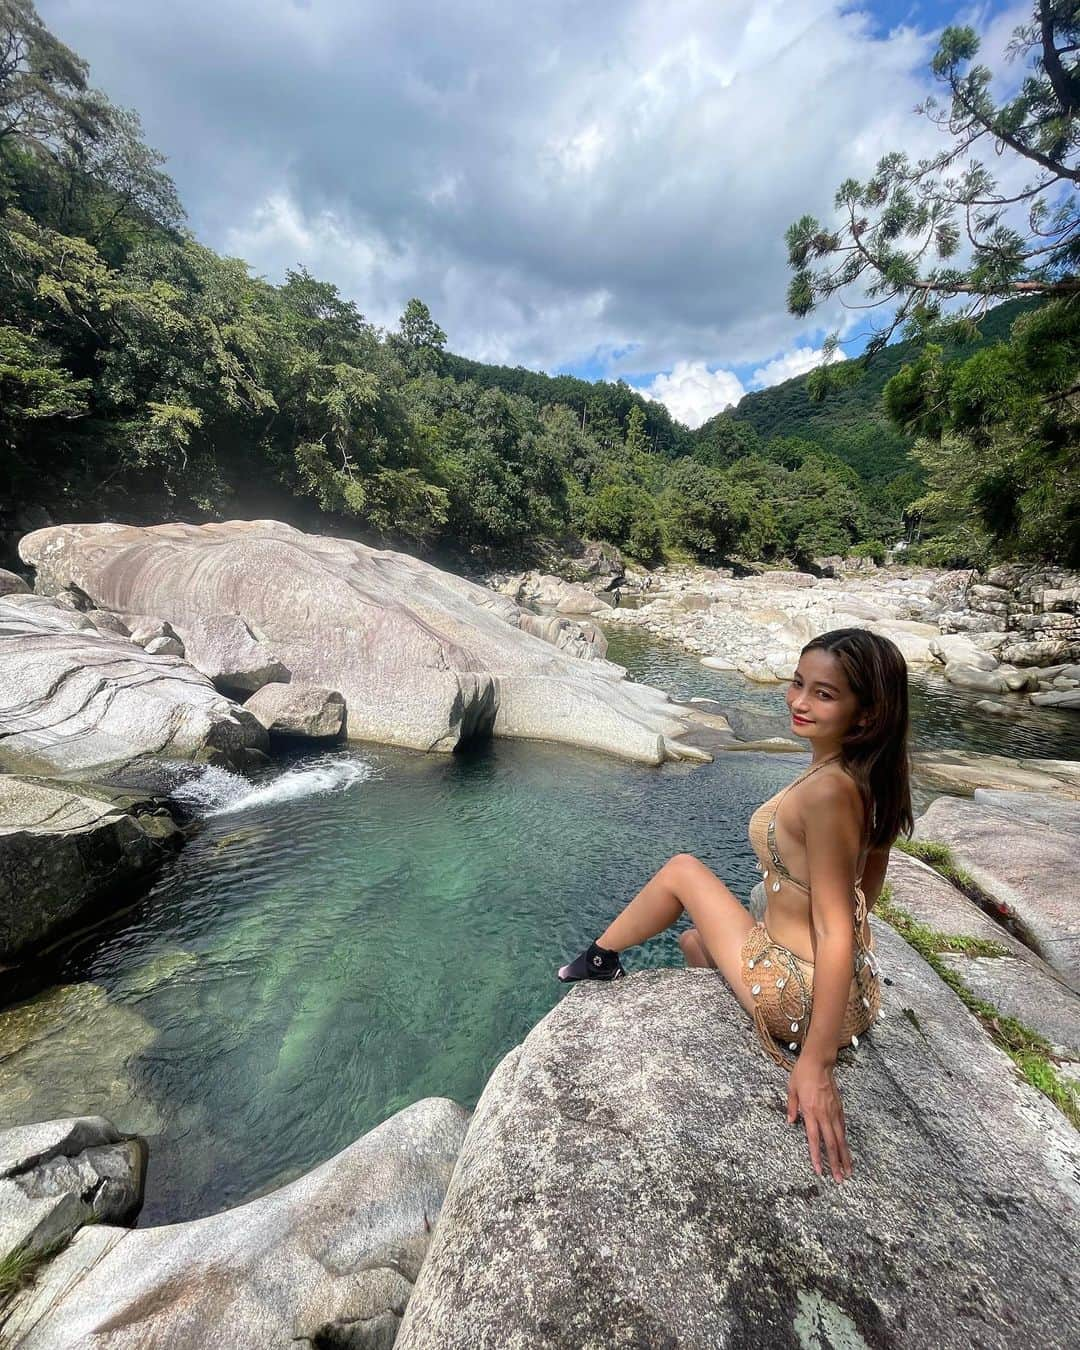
x: 1027, y: 867
x: 1017, y: 983
x: 965, y: 771
x: 73, y: 698
x: 63, y: 849
x: 629, y: 1179
x: 1008, y: 982
x: 328, y: 1260
x: 423, y: 658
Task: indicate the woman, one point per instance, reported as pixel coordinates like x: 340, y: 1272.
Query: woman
x: 833, y: 826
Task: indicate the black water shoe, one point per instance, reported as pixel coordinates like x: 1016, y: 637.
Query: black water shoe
x: 596, y: 963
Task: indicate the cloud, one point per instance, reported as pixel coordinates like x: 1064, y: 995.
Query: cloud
x: 693, y: 393
x: 789, y: 364
x: 560, y: 183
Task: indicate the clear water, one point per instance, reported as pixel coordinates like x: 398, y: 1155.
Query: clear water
x: 366, y: 928
x: 943, y: 717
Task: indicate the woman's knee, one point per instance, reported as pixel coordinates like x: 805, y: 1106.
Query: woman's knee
x: 682, y: 867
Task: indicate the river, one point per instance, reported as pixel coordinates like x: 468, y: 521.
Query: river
x: 371, y: 926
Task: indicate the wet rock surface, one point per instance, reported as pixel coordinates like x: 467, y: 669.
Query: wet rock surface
x: 64, y: 849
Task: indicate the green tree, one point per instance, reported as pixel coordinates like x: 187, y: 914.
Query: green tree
x: 723, y: 440
x: 999, y: 440
x: 419, y: 339
x: 637, y: 441
x: 705, y: 511
x: 897, y: 238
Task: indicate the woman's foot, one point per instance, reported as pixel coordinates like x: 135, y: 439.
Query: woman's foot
x: 595, y: 963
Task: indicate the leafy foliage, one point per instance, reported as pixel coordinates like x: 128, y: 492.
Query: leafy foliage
x: 144, y: 376
x: 915, y: 236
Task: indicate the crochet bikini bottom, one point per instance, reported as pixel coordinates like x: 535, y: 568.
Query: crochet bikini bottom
x: 782, y: 987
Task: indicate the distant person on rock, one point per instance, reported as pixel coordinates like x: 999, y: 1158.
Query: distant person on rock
x: 617, y: 596
x: 807, y: 973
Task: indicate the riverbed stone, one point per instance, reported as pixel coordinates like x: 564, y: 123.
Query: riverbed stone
x: 629, y: 1179
x: 12, y: 584
x: 60, y: 1174
x: 74, y: 699
x: 144, y: 629
x: 928, y: 897
x: 232, y: 656
x: 579, y: 636
x: 1016, y: 982
x: 64, y: 850
x: 69, y: 1051
x: 962, y: 771
x: 328, y: 1260
x: 105, y: 622
x: 299, y: 711
x: 1030, y: 872
x: 987, y: 681
x: 422, y: 657
x: 1066, y: 699
x: 1043, y: 808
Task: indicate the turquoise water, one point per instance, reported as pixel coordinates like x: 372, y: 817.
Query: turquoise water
x: 375, y: 926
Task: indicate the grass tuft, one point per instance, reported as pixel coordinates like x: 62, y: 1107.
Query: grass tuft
x: 1029, y: 1051
x: 939, y: 856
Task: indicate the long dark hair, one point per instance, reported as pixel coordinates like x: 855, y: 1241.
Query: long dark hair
x: 875, y: 750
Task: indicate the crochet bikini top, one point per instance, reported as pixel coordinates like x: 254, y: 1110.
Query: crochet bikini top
x: 762, y: 833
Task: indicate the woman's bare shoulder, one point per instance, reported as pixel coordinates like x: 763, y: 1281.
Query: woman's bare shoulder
x: 832, y: 791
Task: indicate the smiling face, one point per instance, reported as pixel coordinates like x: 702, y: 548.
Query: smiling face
x: 821, y: 702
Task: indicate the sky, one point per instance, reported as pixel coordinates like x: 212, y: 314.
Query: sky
x: 598, y: 188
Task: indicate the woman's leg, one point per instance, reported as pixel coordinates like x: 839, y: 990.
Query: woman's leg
x: 693, y: 950
x: 685, y: 883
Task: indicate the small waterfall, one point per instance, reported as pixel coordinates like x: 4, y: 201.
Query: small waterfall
x: 219, y: 792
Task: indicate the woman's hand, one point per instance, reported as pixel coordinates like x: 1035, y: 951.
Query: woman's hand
x: 813, y: 1093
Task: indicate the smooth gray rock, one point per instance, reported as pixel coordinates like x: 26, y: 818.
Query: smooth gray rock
x: 423, y: 658
x: 299, y: 711
x: 751, y: 725
x: 971, y: 677
x: 1066, y: 699
x: 165, y: 646
x: 328, y: 1260
x: 236, y: 659
x: 105, y: 622
x: 1042, y: 807
x: 145, y: 630
x: 60, y: 1174
x: 963, y: 771
x: 1018, y: 990
x: 63, y: 849
x: 928, y: 897
x: 73, y: 698
x: 12, y: 584
x: 629, y: 1179
x: 1030, y: 872
x: 1018, y: 983
x: 579, y: 637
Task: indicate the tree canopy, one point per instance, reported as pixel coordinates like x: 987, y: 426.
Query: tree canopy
x: 935, y: 245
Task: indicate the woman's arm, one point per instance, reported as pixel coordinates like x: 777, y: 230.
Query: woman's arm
x: 832, y: 815
x: 873, y: 876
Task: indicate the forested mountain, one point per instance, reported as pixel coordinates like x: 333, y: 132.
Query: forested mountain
x: 604, y: 405
x: 144, y: 377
